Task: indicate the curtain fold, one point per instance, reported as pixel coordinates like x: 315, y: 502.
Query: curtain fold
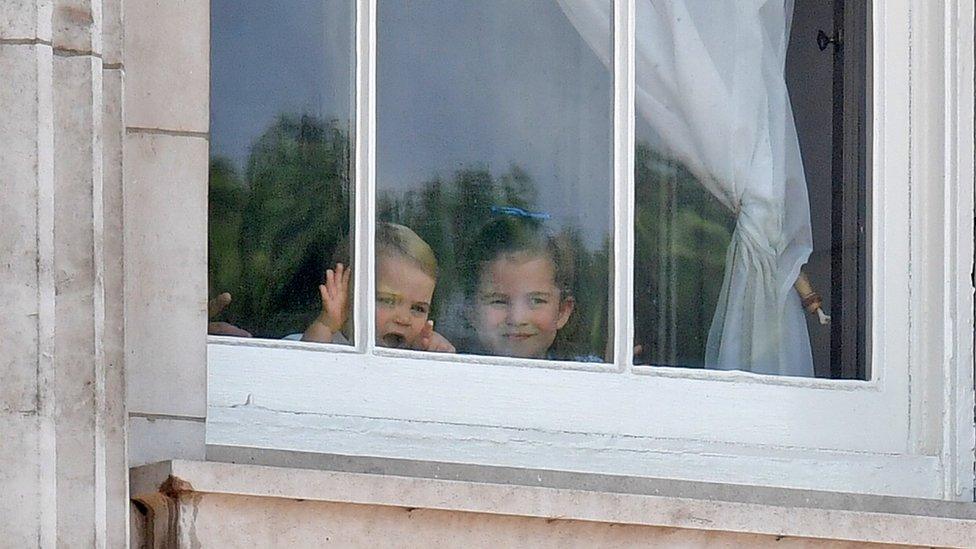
x: 711, y: 85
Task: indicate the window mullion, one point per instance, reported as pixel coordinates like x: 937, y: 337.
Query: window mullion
x: 622, y: 297
x: 365, y: 180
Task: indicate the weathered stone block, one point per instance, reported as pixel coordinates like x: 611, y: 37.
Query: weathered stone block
x: 77, y: 25
x: 116, y: 462
x: 166, y: 273
x: 113, y: 133
x: 25, y: 127
x: 25, y: 19
x: 167, y: 59
x: 27, y: 480
x: 79, y: 363
x: 160, y: 439
x: 112, y: 32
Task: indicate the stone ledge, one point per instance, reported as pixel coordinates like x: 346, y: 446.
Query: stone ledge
x: 645, y: 502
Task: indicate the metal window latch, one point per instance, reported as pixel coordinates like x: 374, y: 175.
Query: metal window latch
x: 823, y: 40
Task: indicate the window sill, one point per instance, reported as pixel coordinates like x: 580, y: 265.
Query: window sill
x: 561, y: 495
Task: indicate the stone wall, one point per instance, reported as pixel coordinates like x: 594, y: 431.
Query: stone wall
x: 399, y: 503
x: 93, y: 290
x: 63, y: 459
x: 167, y: 57
x: 210, y: 520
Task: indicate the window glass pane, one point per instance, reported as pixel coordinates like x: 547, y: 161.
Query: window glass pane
x: 280, y: 123
x: 750, y: 186
x: 494, y: 133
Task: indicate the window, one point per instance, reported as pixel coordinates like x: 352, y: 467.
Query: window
x: 460, y: 97
x: 774, y: 162
x: 494, y: 143
x: 280, y: 160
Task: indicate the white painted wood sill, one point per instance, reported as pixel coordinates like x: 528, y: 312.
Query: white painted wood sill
x: 565, y: 496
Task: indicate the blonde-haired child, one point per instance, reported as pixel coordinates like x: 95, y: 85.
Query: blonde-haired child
x: 406, y: 273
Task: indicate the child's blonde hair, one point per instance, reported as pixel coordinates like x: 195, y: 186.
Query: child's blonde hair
x: 392, y: 238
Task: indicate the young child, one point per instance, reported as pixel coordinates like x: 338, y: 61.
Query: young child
x: 523, y: 288
x: 406, y: 273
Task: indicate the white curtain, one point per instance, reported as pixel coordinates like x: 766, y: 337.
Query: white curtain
x: 711, y: 84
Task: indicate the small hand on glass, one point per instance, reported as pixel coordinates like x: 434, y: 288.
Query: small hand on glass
x: 214, y: 307
x: 335, y: 306
x: 429, y: 340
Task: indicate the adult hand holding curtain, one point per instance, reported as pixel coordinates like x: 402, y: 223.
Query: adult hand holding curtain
x: 710, y: 82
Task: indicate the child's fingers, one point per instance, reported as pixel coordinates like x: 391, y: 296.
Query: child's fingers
x: 424, y: 337
x: 340, y: 281
x: 443, y: 346
x: 340, y: 278
x: 324, y: 292
x: 226, y: 329
x: 217, y: 304
x: 440, y: 344
x: 330, y: 282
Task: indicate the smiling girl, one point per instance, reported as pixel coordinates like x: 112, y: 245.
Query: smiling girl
x: 523, y: 290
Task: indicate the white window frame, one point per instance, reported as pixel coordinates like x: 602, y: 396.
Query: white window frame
x: 908, y: 430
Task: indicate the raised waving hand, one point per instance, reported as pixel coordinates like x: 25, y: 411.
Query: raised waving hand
x: 335, y: 306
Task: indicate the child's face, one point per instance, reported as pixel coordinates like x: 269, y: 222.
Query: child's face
x: 403, y: 294
x: 519, y: 308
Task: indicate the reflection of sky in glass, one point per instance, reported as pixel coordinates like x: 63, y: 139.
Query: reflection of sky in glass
x: 475, y: 84
x: 272, y: 58
x: 462, y: 84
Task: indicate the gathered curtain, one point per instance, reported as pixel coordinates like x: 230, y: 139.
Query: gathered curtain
x: 710, y: 82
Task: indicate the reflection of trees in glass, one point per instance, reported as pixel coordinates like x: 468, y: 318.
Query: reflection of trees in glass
x: 273, y: 233
x: 450, y: 215
x: 682, y: 236
x: 227, y: 198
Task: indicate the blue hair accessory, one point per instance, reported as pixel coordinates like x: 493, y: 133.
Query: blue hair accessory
x: 518, y: 212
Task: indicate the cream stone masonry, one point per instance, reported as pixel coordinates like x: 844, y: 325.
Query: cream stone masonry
x: 61, y: 412
x: 25, y: 157
x: 113, y: 133
x: 193, y: 504
x: 167, y: 53
x: 26, y: 19
x: 167, y: 63
x: 246, y: 521
x: 161, y: 436
x: 113, y: 35
x: 76, y: 27
x: 79, y: 316
x: 165, y: 276
x: 28, y: 476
